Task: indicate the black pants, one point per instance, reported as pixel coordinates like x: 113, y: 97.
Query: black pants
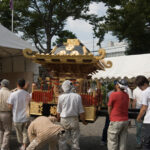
x: 146, y: 137
x: 104, y: 134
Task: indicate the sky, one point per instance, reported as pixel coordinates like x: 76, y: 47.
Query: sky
x: 83, y: 29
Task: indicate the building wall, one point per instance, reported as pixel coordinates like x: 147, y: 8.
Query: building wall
x: 115, y: 54
x: 116, y: 49
x: 13, y: 68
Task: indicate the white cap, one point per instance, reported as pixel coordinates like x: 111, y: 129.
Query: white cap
x: 67, y: 86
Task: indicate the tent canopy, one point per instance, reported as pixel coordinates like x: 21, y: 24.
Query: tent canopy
x: 11, y: 44
x: 126, y: 67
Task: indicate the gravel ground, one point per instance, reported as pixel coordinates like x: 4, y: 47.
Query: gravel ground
x: 90, y: 137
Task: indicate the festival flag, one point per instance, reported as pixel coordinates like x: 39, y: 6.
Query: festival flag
x: 11, y: 4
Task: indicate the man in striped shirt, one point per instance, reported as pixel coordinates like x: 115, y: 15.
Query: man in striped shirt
x: 43, y: 131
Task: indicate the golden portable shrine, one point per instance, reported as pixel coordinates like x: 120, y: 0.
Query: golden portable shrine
x: 71, y: 61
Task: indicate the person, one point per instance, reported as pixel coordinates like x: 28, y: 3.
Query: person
x: 34, y: 86
x: 5, y: 116
x: 0, y: 83
x: 42, y: 131
x: 18, y: 102
x: 68, y: 109
x: 128, y: 91
x: 27, y: 86
x: 118, y: 113
x: 143, y: 83
x: 137, y: 93
x: 107, y: 121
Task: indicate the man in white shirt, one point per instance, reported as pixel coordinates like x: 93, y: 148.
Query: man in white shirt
x: 137, y: 93
x: 143, y: 83
x: 68, y: 109
x: 18, y: 102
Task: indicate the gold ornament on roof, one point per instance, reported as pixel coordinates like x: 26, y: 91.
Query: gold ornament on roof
x: 72, y: 59
x: 69, y: 47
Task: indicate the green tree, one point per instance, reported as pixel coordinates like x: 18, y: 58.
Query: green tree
x: 63, y: 36
x: 41, y: 20
x: 5, y: 13
x: 128, y: 20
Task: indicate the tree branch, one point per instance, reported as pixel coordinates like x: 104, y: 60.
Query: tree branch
x: 38, y: 41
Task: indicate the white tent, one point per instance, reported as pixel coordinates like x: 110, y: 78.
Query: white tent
x: 126, y: 67
x: 11, y: 44
x: 13, y: 64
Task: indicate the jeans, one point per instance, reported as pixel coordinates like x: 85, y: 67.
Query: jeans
x: 146, y: 137
x: 138, y: 132
x: 104, y: 134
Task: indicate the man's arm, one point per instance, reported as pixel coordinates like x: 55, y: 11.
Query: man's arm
x: 59, y: 109
x: 142, y: 112
x: 58, y: 116
x: 134, y: 104
x: 10, y: 102
x: 81, y: 111
x: 82, y: 118
x: 110, y: 103
x: 31, y: 133
x: 10, y: 106
x: 109, y: 109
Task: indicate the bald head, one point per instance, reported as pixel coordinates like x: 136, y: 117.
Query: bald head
x: 5, y: 83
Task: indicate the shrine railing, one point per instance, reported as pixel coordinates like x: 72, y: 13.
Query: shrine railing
x: 42, y: 96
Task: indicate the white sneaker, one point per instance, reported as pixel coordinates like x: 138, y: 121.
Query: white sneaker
x: 22, y: 148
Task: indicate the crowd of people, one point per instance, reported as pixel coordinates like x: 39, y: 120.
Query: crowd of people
x: 117, y: 122
x: 62, y: 132
x: 33, y: 135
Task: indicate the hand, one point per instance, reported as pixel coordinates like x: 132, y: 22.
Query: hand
x: 138, y: 120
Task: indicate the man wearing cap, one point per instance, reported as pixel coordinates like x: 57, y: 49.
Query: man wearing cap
x: 5, y: 116
x: 107, y: 121
x: 68, y: 109
x: 118, y: 114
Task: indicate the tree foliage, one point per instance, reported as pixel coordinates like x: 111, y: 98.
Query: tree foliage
x: 41, y: 20
x: 63, y: 36
x: 128, y: 20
